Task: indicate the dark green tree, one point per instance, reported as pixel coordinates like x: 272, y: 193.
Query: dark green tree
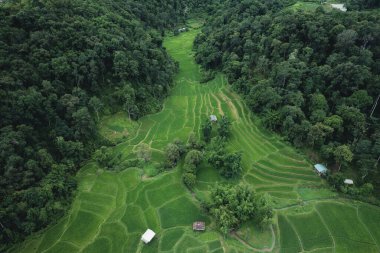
x: 224, y: 125
x: 207, y: 130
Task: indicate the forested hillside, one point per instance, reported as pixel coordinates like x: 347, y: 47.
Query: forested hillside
x: 312, y: 75
x: 362, y: 4
x: 61, y: 64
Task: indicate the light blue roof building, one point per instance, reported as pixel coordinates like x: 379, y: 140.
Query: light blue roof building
x: 320, y: 168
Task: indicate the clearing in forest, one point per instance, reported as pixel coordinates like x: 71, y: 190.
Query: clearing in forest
x: 113, y: 209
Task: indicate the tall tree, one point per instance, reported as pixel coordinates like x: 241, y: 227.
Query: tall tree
x: 224, y: 127
x: 343, y: 155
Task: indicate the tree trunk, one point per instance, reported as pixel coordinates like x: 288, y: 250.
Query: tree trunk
x: 374, y: 105
x: 377, y: 161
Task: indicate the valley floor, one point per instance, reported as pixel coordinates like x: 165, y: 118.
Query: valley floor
x: 113, y: 209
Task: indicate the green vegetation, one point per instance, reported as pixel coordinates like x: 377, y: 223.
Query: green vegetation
x: 232, y: 205
x: 113, y: 208
x: 311, y: 75
x: 117, y: 127
x: 63, y: 65
x: 57, y: 59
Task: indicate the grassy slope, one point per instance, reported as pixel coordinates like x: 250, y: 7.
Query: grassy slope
x: 112, y: 210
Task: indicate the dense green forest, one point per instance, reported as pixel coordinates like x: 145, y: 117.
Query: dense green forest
x: 63, y: 64
x: 312, y: 75
x: 362, y: 4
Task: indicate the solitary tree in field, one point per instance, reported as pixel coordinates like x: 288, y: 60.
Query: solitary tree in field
x: 232, y: 205
x: 189, y: 179
x: 194, y: 157
x: 144, y: 152
x: 343, y: 154
x: 173, y: 154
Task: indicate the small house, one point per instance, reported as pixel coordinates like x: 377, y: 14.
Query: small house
x: 340, y: 7
x: 148, y: 236
x: 199, y: 226
x: 349, y: 181
x: 213, y: 118
x: 320, y: 169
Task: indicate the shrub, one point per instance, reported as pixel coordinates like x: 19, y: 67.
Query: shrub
x: 189, y: 179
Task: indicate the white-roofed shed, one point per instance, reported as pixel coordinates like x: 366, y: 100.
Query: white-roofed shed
x: 213, y: 118
x: 148, y: 236
x: 349, y: 181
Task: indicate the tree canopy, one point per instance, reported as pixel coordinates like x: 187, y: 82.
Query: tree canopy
x: 62, y: 64
x: 232, y: 205
x: 312, y: 75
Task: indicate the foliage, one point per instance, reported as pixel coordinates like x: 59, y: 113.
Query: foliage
x: 312, y: 75
x: 174, y: 152
x: 63, y: 64
x: 189, y: 179
x: 362, y: 4
x: 232, y: 205
x: 103, y: 156
x: 336, y: 180
x: 194, y: 143
x: 193, y: 159
x: 207, y: 75
x: 343, y: 154
x: 207, y: 130
x: 224, y: 127
x: 144, y: 152
x: 228, y: 164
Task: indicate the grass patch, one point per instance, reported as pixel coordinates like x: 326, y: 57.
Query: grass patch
x: 180, y: 212
x: 208, y: 174
x: 258, y: 238
x: 150, y: 170
x: 82, y: 228
x: 116, y: 233
x: 311, y: 230
x: 370, y: 216
x: 165, y: 194
x: 315, y: 193
x: 186, y: 243
x: 151, y: 247
x: 343, y: 222
x: 134, y: 219
x: 117, y: 127
x: 214, y: 245
x: 170, y: 238
x: 62, y: 247
x: 288, y: 238
x: 53, y: 235
x: 131, y: 242
x: 101, y: 245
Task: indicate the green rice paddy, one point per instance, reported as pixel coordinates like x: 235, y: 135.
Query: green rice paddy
x: 113, y: 209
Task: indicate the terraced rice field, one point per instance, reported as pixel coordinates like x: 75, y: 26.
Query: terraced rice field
x: 113, y: 209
